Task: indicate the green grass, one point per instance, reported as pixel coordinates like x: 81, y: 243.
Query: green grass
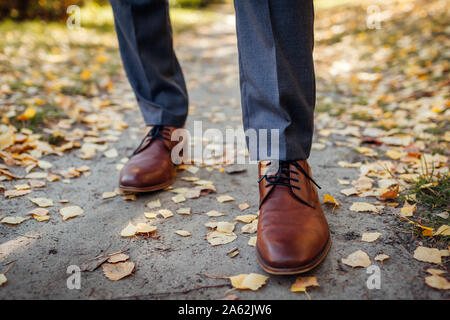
x: 431, y: 192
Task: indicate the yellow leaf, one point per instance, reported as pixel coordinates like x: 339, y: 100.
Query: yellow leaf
x: 252, y: 281
x: 443, y: 230
x: 28, y: 114
x: 70, y: 212
x: 85, y: 75
x: 301, y: 283
x: 329, y: 199
x: 370, y: 236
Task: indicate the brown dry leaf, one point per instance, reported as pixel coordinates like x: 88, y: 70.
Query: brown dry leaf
x: 244, y: 206
x: 118, y: 257
x: 22, y: 187
x: 150, y: 215
x: 111, y: 153
x: 252, y: 241
x: 42, y: 202
x: 129, y: 197
x: 247, y: 218
x: 443, y: 230
x: 216, y: 238
x: 129, y: 231
x: 370, y: 236
x: 408, y: 210
x: 154, y: 204
x: 118, y: 271
x: 214, y: 213
x: 251, y: 227
x: 301, y: 283
x: 435, y: 272
x: 13, y: 220
x: 437, y: 282
x: 3, y: 279
x: 178, y: 198
x: 363, y: 207
x: 225, y: 198
x: 39, y: 212
x: 357, y: 259
x: 425, y: 254
x: 16, y: 193
x: 184, y: 211
x: 183, y: 233
x: 252, y: 281
x: 226, y: 227
x: 350, y: 192
x: 109, y: 194
x: 381, y: 257
x: 37, y: 183
x: 145, y: 228
x: 70, y: 212
x: 165, y: 213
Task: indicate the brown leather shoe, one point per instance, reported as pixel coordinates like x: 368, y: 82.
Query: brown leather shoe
x: 293, y: 235
x: 150, y: 167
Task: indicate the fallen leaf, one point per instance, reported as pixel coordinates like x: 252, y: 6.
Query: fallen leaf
x: 3, y: 279
x: 16, y: 193
x: 329, y: 199
x: 437, y: 282
x: 363, y: 207
x: 154, y: 204
x: 184, y: 211
x: 214, y: 213
x: 118, y: 271
x: 70, y: 212
x: 425, y: 254
x: 247, y: 218
x: 145, y: 228
x: 42, y: 202
x: 225, y: 198
x: 183, y: 233
x: 357, y: 259
x: 252, y: 281
x: 370, y: 236
x: 178, y: 198
x: 216, y: 238
x: 301, y: 283
x: 407, y: 210
x: 244, y: 206
x: 109, y: 194
x: 118, y: 257
x: 252, y: 241
x: 224, y: 226
x: 129, y: 231
x: 381, y: 257
x: 13, y: 220
x: 165, y: 213
x: 443, y: 230
x: 250, y: 227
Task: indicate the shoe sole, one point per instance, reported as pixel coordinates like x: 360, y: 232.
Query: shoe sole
x: 149, y: 188
x: 298, y: 270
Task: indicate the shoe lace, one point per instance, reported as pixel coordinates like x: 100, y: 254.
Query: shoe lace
x: 283, y: 177
x: 157, y: 132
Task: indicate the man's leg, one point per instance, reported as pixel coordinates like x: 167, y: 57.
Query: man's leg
x: 275, y: 39
x: 145, y: 39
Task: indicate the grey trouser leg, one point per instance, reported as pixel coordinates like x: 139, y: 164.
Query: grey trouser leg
x: 145, y: 39
x: 275, y: 39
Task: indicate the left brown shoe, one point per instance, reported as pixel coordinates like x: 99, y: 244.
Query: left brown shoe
x: 293, y: 234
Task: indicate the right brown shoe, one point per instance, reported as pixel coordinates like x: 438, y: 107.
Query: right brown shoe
x: 293, y: 235
x: 150, y: 167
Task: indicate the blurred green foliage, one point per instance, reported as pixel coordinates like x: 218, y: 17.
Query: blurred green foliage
x: 56, y: 10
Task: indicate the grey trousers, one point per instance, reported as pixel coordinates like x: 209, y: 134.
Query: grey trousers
x: 275, y: 41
